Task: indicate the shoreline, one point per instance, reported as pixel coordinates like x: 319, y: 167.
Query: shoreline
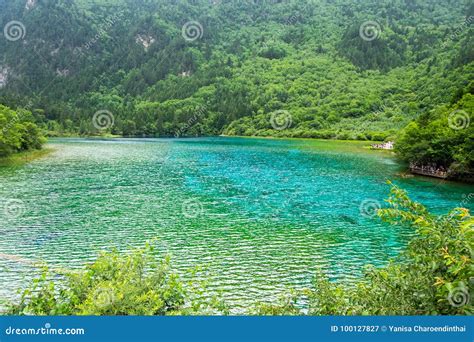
x: 211, y: 136
x: 25, y: 157
x: 363, y: 145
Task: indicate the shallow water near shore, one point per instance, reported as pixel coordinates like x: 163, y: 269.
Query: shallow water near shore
x: 262, y: 214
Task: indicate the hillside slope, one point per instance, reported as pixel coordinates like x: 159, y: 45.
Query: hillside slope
x: 322, y: 68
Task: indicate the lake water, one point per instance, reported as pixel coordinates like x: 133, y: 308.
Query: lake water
x: 263, y: 215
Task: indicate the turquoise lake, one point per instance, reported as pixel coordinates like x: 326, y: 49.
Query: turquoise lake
x: 263, y: 215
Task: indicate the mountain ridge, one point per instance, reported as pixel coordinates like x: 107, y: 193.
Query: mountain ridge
x: 249, y: 60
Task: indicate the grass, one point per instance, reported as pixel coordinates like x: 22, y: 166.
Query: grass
x: 24, y: 157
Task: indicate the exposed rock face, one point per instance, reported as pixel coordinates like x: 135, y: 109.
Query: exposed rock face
x: 30, y: 4
x: 54, y: 52
x: 62, y: 72
x: 144, y: 40
x: 3, y: 76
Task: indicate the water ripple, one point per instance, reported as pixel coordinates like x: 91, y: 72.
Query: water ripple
x: 270, y: 213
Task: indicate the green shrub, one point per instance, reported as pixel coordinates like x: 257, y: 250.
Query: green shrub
x: 18, y: 132
x: 119, y: 284
x: 432, y: 277
x: 443, y: 137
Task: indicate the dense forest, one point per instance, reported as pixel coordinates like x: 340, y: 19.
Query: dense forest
x: 317, y: 69
x: 397, y: 71
x: 18, y: 132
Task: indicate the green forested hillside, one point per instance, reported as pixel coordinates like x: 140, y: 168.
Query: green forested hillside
x: 443, y: 137
x: 325, y: 68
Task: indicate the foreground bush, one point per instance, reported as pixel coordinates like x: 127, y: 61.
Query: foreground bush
x: 432, y: 277
x: 118, y: 284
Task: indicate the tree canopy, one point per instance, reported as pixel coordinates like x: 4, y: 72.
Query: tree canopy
x: 322, y: 69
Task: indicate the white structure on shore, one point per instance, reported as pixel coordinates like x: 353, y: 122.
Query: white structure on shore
x: 384, y: 146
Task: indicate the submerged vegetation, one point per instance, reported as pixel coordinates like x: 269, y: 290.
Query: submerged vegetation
x: 370, y: 70
x: 431, y: 277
